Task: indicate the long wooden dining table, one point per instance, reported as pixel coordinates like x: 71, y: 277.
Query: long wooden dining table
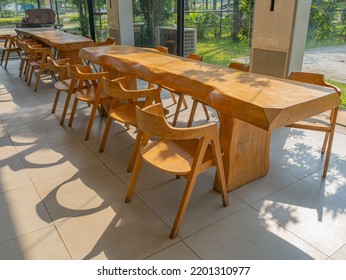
x: 67, y: 44
x: 250, y: 106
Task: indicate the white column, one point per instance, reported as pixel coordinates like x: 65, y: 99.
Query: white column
x: 120, y: 21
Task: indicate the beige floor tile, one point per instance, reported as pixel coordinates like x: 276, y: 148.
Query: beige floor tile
x: 312, y: 215
x: 21, y: 212
x: 335, y: 182
x: 35, y: 116
x: 178, y: 251
x: 148, y: 176
x: 205, y: 206
x: 47, y: 163
x: 43, y: 244
x: 74, y: 193
x: 118, y: 231
x: 46, y: 136
x: 3, y: 131
x: 248, y: 235
x: 119, y: 142
x: 13, y: 174
x: 275, y: 180
x: 299, y: 153
x: 340, y: 254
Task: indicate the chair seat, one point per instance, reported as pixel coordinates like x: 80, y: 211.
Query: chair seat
x: 126, y: 113
x: 175, y: 156
x: 10, y: 49
x: 319, y: 122
x: 63, y: 85
x: 89, y: 95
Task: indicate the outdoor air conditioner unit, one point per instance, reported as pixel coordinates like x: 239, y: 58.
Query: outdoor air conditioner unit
x: 167, y: 36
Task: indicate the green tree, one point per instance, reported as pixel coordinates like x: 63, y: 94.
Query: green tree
x: 321, y: 19
x: 154, y: 13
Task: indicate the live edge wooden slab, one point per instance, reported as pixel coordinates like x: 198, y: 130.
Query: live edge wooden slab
x: 250, y: 106
x: 68, y: 45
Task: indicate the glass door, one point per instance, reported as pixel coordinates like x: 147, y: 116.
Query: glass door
x: 155, y: 23
x: 219, y: 30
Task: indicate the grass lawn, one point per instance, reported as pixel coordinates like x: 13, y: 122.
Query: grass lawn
x: 343, y: 93
x: 221, y: 51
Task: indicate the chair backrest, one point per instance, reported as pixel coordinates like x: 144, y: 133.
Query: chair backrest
x: 161, y: 49
x: 151, y: 120
x: 83, y: 75
x: 9, y: 40
x: 117, y: 88
x: 59, y: 66
x: 84, y: 72
x: 195, y: 57
x: 239, y: 66
x: 312, y: 78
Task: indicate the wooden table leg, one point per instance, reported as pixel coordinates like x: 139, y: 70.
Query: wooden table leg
x: 246, y: 151
x: 72, y: 54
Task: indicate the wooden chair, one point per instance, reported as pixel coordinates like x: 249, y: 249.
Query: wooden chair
x: 27, y: 59
x: 123, y: 106
x: 324, y: 122
x: 239, y: 66
x: 182, y: 151
x: 24, y: 54
x: 9, y: 46
x: 92, y: 92
x: 38, y: 61
x: 195, y: 102
x: 63, y: 84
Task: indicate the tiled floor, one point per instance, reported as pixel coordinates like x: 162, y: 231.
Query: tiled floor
x: 61, y: 199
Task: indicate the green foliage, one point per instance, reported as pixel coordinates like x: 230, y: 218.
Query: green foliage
x: 322, y: 19
x: 245, y: 32
x: 154, y: 13
x: 7, y: 13
x: 74, y: 18
x: 9, y: 21
x: 343, y: 93
x: 221, y: 51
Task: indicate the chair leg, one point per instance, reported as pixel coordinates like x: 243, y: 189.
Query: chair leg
x: 64, y: 112
x: 183, y: 204
x: 105, y: 134
x: 134, y: 177
x: 193, y: 112
x: 173, y: 97
x: 38, y: 79
x: 134, y: 152
x: 325, y: 141
x: 32, y: 69
x: 2, y: 57
x: 73, y: 112
x: 177, y: 110
x: 91, y: 120
x: 206, y: 111
x: 329, y: 149
x: 7, y: 57
x: 26, y: 70
x: 56, y: 99
x: 220, y: 173
x: 21, y: 67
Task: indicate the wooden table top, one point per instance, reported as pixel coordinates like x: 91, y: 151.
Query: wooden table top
x: 56, y: 38
x: 263, y: 101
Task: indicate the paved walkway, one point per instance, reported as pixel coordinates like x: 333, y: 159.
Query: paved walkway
x: 329, y: 60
